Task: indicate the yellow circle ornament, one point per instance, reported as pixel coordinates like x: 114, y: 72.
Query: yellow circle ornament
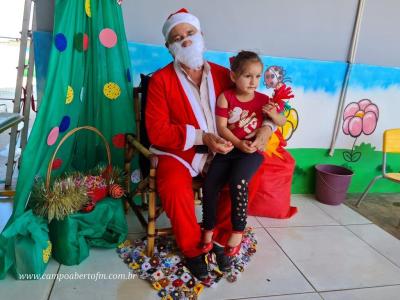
x: 70, y: 95
x: 111, y: 90
x: 87, y: 8
x: 47, y: 252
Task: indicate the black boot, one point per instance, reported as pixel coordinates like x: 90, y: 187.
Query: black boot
x: 197, y: 266
x: 223, y: 261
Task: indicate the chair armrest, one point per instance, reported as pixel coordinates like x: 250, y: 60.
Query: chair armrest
x: 133, y: 142
x: 132, y: 145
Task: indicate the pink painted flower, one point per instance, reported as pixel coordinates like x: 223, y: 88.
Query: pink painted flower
x: 360, y: 117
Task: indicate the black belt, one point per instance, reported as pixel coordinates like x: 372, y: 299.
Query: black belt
x: 201, y: 149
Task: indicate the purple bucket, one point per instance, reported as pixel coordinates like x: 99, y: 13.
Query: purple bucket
x: 331, y: 183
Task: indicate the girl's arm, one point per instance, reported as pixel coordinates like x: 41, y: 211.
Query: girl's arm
x: 222, y: 122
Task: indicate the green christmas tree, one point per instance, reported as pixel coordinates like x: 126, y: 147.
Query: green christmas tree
x: 88, y: 84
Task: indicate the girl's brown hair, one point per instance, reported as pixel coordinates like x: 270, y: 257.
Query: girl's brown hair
x: 241, y: 59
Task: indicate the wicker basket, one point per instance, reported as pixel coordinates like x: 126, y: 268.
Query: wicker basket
x: 65, y: 197
x: 70, y: 133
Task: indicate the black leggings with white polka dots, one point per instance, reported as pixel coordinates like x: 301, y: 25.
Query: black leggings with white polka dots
x: 235, y: 168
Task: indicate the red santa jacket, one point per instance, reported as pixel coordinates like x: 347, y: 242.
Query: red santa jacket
x: 173, y: 113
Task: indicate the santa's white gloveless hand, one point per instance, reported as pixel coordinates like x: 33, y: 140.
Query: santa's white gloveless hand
x: 216, y: 143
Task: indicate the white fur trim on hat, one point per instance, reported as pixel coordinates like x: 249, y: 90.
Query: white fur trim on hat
x: 181, y: 16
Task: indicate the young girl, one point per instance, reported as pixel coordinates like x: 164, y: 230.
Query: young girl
x: 239, y: 112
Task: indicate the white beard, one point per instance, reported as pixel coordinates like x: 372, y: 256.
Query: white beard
x: 191, y: 56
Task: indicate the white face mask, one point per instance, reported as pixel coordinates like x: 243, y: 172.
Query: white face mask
x: 191, y: 56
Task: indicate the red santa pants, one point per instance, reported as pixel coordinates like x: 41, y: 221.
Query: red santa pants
x: 174, y: 186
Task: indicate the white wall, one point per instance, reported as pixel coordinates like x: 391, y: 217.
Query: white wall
x: 379, y: 42
x: 313, y: 29
x: 286, y: 28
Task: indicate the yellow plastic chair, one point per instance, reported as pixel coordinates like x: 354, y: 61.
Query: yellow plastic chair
x: 391, y: 144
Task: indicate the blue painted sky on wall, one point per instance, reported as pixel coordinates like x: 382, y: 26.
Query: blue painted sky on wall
x: 367, y: 76
x: 311, y: 75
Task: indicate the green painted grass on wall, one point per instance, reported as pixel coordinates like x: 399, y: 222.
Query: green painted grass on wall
x: 367, y: 167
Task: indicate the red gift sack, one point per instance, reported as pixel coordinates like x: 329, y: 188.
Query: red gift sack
x: 269, y: 189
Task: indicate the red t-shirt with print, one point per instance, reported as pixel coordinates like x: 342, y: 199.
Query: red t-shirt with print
x: 243, y: 117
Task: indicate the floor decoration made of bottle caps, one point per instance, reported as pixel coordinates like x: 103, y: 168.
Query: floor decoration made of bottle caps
x: 167, y: 273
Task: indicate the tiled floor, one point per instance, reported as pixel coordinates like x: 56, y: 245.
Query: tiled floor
x: 324, y: 252
x: 382, y: 209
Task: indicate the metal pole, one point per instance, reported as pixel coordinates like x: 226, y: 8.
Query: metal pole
x: 29, y: 89
x: 351, y: 57
x: 18, y: 89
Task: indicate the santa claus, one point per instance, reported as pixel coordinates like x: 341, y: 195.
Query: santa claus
x: 180, y: 121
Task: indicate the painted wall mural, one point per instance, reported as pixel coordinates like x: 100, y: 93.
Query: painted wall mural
x: 274, y: 78
x: 372, y: 105
x: 311, y: 114
x: 359, y: 118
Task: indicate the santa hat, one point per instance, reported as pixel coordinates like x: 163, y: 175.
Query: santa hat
x: 181, y: 16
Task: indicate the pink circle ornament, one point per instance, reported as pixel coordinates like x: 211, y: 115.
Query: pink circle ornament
x: 108, y: 38
x: 53, y: 135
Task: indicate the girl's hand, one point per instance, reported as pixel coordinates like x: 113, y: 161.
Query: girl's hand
x: 246, y: 146
x: 270, y: 109
x: 262, y: 136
